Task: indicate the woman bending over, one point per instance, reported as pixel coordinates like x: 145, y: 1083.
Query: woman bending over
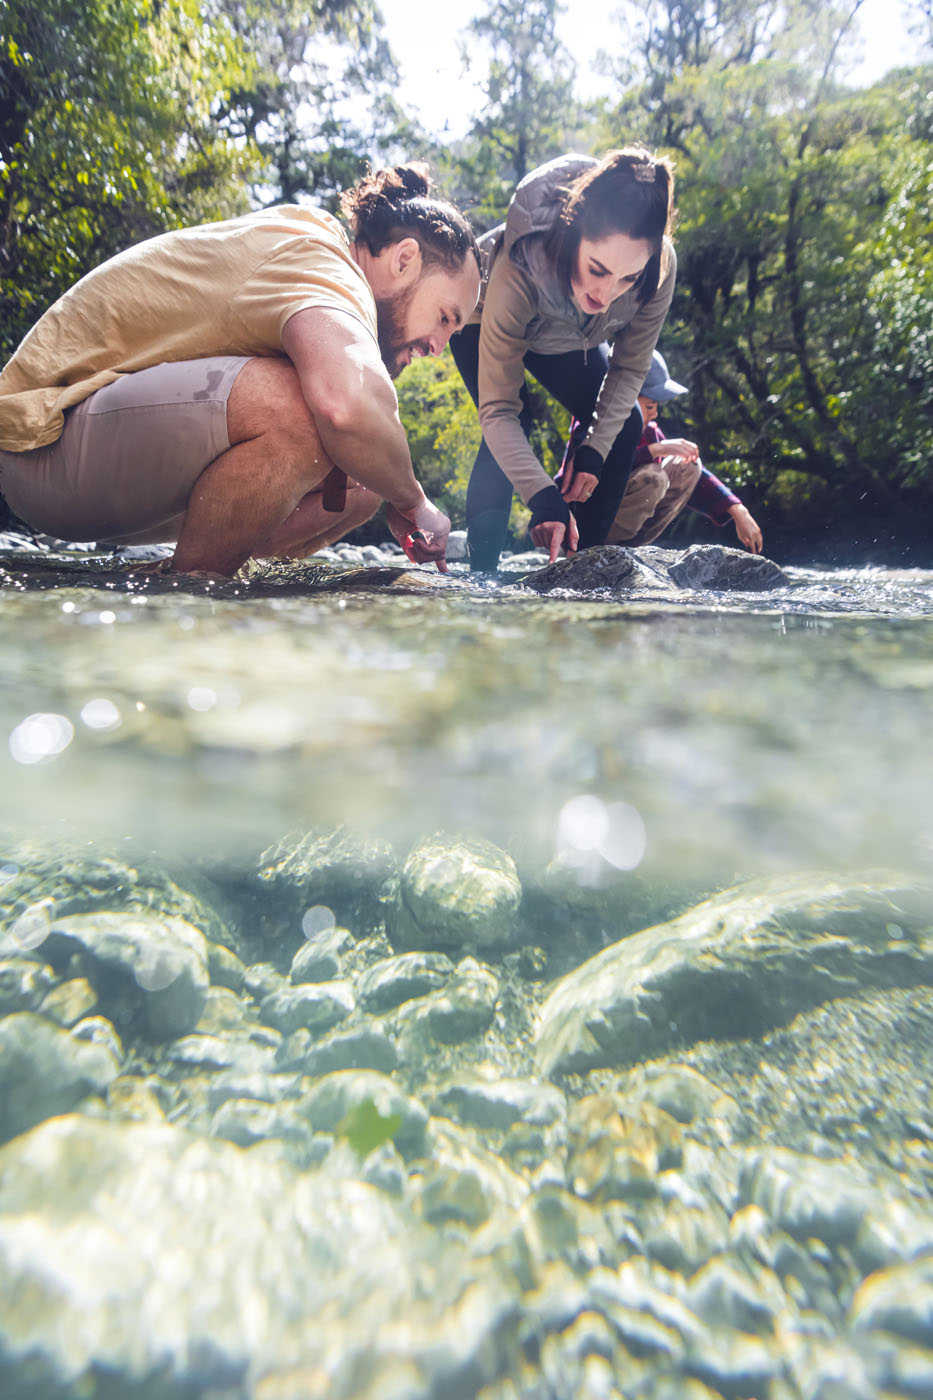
x: 580, y: 279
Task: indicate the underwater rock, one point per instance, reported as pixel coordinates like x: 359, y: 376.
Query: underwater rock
x: 215, y: 1052
x: 604, y: 566
x: 226, y: 1013
x: 735, y: 966
x: 618, y: 1155
x: 23, y: 985
x: 453, y: 894
x: 53, y: 881
x: 69, y: 1002
x: 45, y: 1071
x: 249, y: 1121
x: 337, y: 1098
x: 898, y: 1300
x: 318, y: 958
x: 340, y: 871
x: 362, y: 1047
x: 313, y: 1006
x: 501, y: 1102
x: 808, y: 1197
x: 389, y: 982
x: 149, y: 969
x: 713, y: 567
x: 464, y: 1009
x: 264, y: 1261
x: 225, y: 968
x: 255, y: 1085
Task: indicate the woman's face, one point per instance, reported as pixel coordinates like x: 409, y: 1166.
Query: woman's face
x: 605, y: 268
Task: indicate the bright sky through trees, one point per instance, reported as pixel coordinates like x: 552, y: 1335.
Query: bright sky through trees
x: 424, y: 39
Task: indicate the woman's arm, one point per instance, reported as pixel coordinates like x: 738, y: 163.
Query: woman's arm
x: 509, y: 308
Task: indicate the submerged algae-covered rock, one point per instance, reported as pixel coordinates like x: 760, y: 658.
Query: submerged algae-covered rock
x: 453, y: 894
x: 48, y: 881
x: 737, y: 965
x: 152, y: 969
x: 341, y: 870
x: 44, y: 1071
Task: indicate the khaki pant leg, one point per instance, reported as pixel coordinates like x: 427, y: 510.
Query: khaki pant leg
x: 647, y: 487
x: 682, y: 479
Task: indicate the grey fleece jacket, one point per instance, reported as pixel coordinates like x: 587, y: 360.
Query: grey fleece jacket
x: 525, y: 308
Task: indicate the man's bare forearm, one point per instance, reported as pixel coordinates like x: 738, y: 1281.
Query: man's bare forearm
x: 353, y: 403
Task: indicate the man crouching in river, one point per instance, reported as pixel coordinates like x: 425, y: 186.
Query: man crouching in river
x: 216, y: 386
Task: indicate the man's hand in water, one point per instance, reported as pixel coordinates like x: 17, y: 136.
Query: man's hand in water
x: 422, y: 532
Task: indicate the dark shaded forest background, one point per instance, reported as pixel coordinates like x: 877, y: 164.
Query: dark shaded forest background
x: 803, y: 319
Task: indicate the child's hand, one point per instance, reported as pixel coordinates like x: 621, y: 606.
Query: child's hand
x: 680, y: 448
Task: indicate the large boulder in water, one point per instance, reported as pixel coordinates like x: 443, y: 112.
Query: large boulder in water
x: 714, y: 567
x: 735, y: 966
x: 454, y: 894
x: 605, y: 566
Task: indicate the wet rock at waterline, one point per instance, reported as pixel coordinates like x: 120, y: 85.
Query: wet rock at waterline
x: 605, y: 566
x: 452, y: 894
x: 715, y: 567
x: 735, y: 966
x: 616, y: 568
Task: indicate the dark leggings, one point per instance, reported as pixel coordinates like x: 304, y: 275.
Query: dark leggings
x: 574, y: 379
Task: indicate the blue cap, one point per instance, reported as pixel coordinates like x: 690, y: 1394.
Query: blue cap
x: 658, y: 385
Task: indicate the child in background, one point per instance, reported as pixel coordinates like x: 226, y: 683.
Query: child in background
x: 668, y: 475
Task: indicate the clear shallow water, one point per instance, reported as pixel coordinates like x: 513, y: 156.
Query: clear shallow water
x: 751, y: 733
x: 469, y: 1131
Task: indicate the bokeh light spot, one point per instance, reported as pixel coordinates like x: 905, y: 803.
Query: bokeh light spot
x: 317, y: 919
x: 201, y: 698
x: 101, y: 714
x: 40, y: 737
x: 31, y: 929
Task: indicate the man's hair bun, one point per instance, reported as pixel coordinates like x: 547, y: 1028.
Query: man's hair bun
x: 390, y: 204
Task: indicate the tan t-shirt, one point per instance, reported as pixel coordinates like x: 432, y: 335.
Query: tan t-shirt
x: 218, y: 289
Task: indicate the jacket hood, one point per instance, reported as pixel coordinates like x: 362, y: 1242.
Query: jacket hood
x: 538, y: 198
x: 532, y: 212
x: 534, y: 207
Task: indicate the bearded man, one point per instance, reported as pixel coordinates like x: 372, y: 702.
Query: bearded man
x: 229, y: 386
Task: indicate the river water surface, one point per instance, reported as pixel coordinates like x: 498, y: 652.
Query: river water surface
x: 416, y: 987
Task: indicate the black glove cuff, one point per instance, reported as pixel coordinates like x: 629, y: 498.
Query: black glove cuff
x: 548, y: 504
x: 587, y: 459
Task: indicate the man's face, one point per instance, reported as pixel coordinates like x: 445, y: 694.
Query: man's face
x: 419, y: 320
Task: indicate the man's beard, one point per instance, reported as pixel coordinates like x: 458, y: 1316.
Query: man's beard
x: 391, y: 313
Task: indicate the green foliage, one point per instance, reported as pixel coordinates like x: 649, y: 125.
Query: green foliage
x: 801, y: 319
x: 317, y: 96
x: 107, y: 135
x: 530, y: 112
x: 443, y: 429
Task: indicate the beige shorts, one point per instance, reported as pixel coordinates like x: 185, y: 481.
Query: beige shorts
x: 124, y: 466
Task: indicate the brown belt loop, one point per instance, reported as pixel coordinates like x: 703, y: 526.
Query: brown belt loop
x: 335, y: 490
